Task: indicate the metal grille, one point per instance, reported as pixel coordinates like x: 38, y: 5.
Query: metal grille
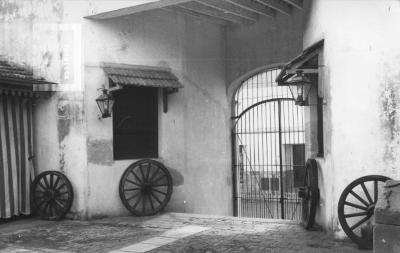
x: 268, y: 147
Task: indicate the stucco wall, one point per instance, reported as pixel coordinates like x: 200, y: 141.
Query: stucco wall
x: 360, y: 83
x: 60, y: 130
x: 269, y: 41
x: 193, y: 140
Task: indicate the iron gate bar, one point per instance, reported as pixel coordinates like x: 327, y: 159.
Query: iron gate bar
x: 259, y: 103
x: 280, y: 158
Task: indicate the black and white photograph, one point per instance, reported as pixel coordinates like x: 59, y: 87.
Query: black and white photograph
x: 199, y: 126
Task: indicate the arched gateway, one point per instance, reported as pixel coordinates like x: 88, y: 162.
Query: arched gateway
x: 268, y: 149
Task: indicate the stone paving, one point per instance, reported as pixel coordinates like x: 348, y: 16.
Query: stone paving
x: 167, y: 233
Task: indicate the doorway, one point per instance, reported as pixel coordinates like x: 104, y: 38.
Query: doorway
x: 268, y: 149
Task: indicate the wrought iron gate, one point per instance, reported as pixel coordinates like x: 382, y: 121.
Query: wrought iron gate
x: 268, y: 148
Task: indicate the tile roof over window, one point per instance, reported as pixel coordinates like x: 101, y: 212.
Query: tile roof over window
x: 14, y: 77
x: 15, y: 73
x: 146, y: 76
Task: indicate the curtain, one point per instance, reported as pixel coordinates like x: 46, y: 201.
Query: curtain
x: 16, y: 168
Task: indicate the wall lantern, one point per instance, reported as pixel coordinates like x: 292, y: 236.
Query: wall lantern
x: 300, y: 87
x: 105, y: 103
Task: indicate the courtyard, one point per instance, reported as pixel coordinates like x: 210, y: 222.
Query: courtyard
x: 167, y: 233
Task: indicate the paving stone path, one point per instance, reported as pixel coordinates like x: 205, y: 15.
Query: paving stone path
x: 167, y: 233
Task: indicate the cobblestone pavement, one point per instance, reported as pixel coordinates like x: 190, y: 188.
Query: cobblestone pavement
x: 167, y: 233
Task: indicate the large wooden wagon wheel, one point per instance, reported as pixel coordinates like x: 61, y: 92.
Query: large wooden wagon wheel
x: 309, y: 193
x: 145, y: 187
x: 51, y: 195
x: 357, y: 204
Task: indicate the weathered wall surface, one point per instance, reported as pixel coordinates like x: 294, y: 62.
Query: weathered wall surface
x: 59, y: 120
x: 269, y: 41
x: 360, y: 83
x: 54, y: 38
x: 193, y: 138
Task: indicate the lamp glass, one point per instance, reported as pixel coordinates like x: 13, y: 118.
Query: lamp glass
x: 105, y: 103
x: 299, y: 86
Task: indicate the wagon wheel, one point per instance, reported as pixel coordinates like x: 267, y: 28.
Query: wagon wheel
x: 51, y: 195
x: 357, y: 204
x: 145, y: 187
x: 309, y: 194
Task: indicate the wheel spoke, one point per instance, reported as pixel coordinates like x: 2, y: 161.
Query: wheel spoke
x: 46, y: 182
x: 137, y: 178
x: 159, y: 191
x: 41, y: 185
x: 131, y: 189
x: 159, y: 185
x: 56, y: 209
x: 62, y: 200
x: 356, y: 206
x: 39, y: 192
x: 51, y: 181
x: 359, y: 223
x: 56, y: 183
x: 46, y: 206
x: 138, y: 201
x: 359, y: 198
x: 61, y: 186
x: 59, y: 194
x: 59, y: 204
x: 355, y: 214
x: 51, y: 208
x: 158, y: 179
x: 151, y: 202
x: 148, y: 172
x: 154, y: 196
x: 130, y: 181
x: 133, y: 196
x: 42, y: 202
x: 144, y: 204
x: 141, y: 172
x: 366, y: 193
x: 41, y: 197
x: 375, y: 191
x: 154, y: 174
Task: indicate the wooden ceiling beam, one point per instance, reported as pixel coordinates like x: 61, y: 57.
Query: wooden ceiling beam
x: 254, y: 7
x: 277, y: 5
x: 295, y: 3
x: 136, y: 9
x: 209, y: 11
x: 227, y: 7
x: 197, y: 15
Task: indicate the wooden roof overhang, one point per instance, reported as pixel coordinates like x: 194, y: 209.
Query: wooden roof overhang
x: 307, y: 61
x: 224, y: 12
x: 125, y: 75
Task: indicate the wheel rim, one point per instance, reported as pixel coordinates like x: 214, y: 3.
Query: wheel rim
x: 52, y: 195
x: 145, y: 187
x: 309, y: 194
x: 357, y: 204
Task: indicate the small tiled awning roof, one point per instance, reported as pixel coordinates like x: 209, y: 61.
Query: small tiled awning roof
x: 304, y: 60
x: 145, y: 76
x: 17, y: 79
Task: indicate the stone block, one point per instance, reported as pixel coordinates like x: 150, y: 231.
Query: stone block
x: 386, y: 239
x: 387, y: 219
x: 387, y: 210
